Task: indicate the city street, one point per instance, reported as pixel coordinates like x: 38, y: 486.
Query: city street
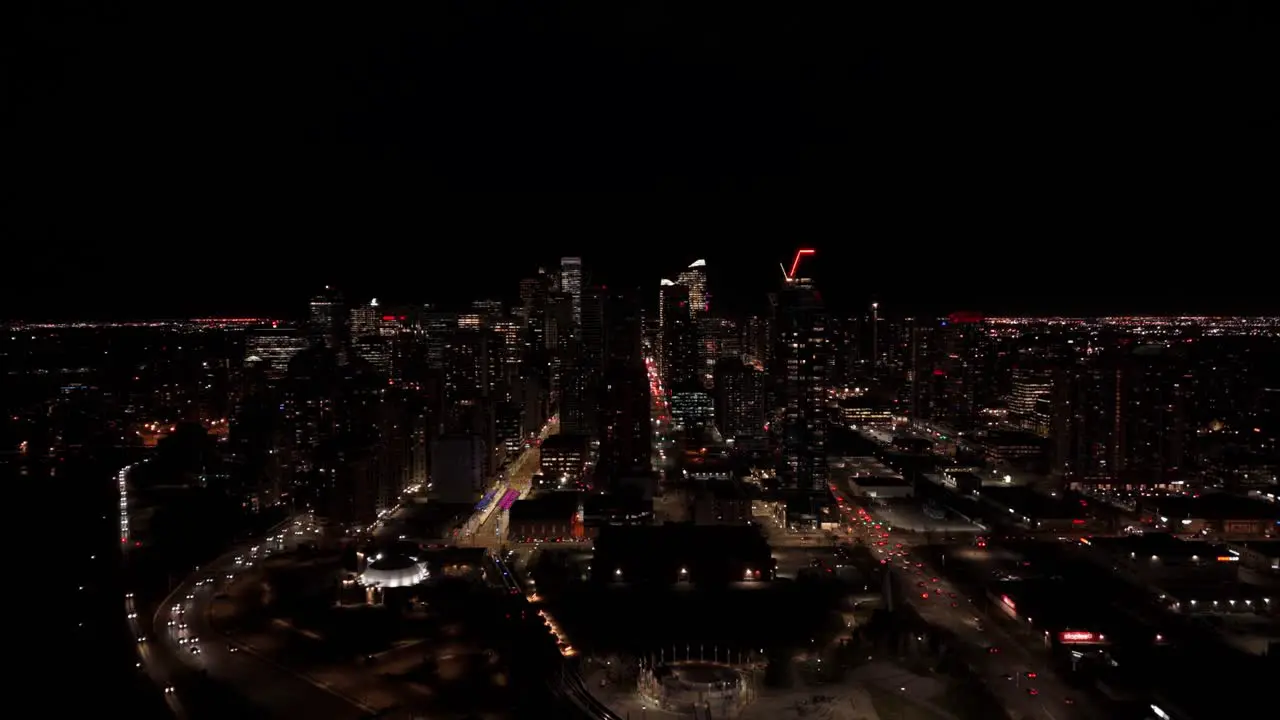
x: 942, y: 605
x: 488, y: 527
x: 660, y: 416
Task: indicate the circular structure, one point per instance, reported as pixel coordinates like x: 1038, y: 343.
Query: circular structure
x: 684, y: 686
x: 391, y: 571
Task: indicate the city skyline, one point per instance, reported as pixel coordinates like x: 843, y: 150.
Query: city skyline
x: 642, y: 361
x: 266, y: 283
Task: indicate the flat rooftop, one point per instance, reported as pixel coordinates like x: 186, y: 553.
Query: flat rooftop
x: 1230, y: 596
x: 1032, y: 504
x: 1161, y: 545
x: 879, y: 481
x: 1265, y: 548
x: 1214, y: 506
x: 681, y: 539
x: 555, y: 506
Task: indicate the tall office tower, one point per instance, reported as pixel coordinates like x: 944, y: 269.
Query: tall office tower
x: 368, y: 339
x: 593, y: 327
x: 512, y: 344
x: 1030, y: 386
x: 960, y: 371
x: 469, y: 404
x: 896, y: 348
x: 364, y: 318
x: 740, y: 401
x: 331, y: 450
x: 665, y: 287
x: 679, y: 341
x: 488, y: 310
x: 690, y: 404
x: 920, y: 371
x: 273, y: 348
x: 579, y: 400
x: 327, y: 322
x: 530, y: 289
x: 559, y: 336
x: 571, y: 283
x: 801, y: 379
x: 582, y: 370
x: 467, y: 366
x: 842, y: 369
x: 695, y: 278
x: 717, y: 338
x: 875, y: 339
x: 437, y: 329
x: 625, y: 426
x: 757, y: 340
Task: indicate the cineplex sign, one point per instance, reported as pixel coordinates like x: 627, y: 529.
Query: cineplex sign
x: 1081, y: 637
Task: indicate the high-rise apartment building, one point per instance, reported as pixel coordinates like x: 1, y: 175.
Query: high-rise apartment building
x: 960, y: 370
x: 625, y: 427
x: 1121, y: 415
x: 801, y: 379
x: 679, y: 348
x: 740, y: 400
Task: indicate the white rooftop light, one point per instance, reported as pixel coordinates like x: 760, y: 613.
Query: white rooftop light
x: 698, y: 263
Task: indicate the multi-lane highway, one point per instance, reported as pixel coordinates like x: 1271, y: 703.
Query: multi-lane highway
x: 1021, y: 680
x: 178, y: 641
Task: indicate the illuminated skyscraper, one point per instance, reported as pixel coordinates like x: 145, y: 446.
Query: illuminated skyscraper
x: 695, y: 278
x: 571, y: 283
x: 327, y: 320
x: 665, y: 288
x: 801, y: 375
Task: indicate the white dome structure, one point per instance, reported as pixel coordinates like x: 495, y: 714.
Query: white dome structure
x: 394, y: 571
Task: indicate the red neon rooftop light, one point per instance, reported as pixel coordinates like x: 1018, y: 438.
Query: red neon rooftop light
x: 795, y: 264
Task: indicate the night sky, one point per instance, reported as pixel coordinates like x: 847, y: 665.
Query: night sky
x: 1009, y: 277
x: 172, y: 160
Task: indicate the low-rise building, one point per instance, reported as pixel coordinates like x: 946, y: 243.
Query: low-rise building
x: 1212, y: 515
x: 881, y: 487
x: 556, y: 517
x: 1262, y: 556
x: 681, y: 552
x: 1011, y: 447
x: 1034, y: 510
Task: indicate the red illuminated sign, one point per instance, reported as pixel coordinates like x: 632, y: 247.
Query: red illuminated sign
x: 1008, y: 602
x: 1078, y: 636
x: 795, y: 264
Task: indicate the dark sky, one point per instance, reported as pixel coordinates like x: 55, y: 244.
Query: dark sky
x: 177, y: 159
x: 906, y: 274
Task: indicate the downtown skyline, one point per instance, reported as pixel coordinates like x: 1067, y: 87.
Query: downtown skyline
x: 274, y: 282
